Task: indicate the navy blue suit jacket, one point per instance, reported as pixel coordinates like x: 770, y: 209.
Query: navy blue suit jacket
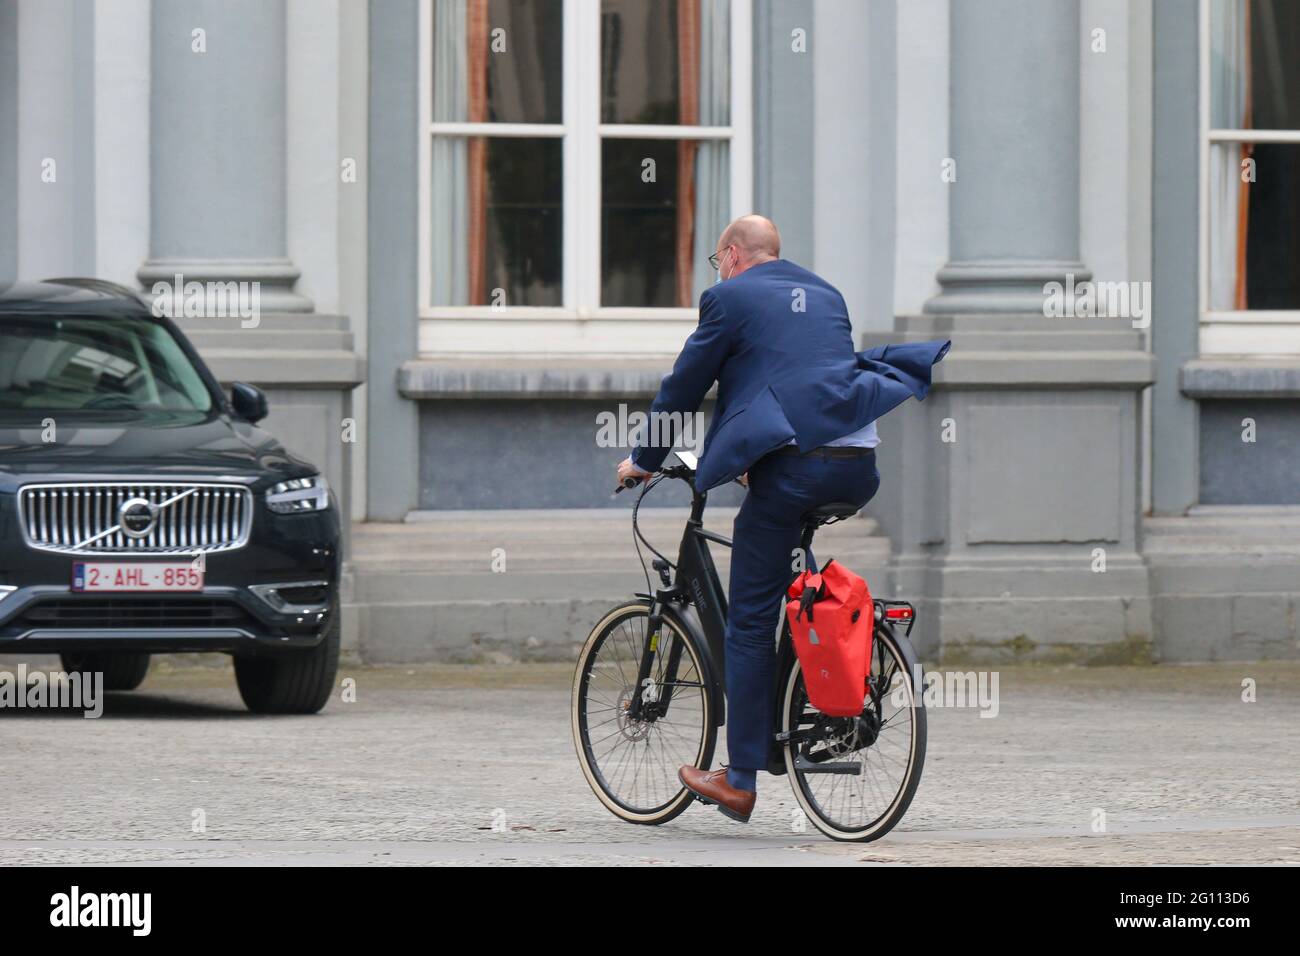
x: 782, y: 373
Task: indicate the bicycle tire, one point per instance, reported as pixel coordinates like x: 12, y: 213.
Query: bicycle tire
x: 900, y: 649
x: 676, y: 797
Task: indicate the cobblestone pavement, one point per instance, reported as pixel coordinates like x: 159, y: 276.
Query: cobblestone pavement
x: 427, y: 759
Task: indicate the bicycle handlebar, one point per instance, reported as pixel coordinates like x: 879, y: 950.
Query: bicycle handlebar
x: 672, y: 471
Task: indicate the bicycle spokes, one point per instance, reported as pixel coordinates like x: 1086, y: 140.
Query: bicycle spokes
x: 643, y: 713
x: 853, y: 770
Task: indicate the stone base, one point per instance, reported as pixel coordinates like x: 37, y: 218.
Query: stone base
x: 1222, y: 584
x: 1042, y: 608
x: 1226, y: 584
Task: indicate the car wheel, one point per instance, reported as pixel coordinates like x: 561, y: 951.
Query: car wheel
x: 293, y: 682
x: 121, y: 671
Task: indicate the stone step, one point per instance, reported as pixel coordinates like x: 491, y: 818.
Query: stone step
x: 470, y: 542
x: 426, y: 589
x: 1210, y: 530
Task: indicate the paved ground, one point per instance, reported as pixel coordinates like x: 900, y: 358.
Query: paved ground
x: 427, y: 759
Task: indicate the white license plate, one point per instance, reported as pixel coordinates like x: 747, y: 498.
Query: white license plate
x: 136, y: 576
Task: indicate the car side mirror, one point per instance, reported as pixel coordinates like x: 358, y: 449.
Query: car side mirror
x: 248, y: 401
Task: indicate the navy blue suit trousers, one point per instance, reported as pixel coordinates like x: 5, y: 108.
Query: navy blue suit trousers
x: 763, y: 562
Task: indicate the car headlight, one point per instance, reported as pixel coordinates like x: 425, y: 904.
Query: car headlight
x: 299, y: 494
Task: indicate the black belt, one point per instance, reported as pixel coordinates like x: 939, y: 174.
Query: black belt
x: 826, y: 451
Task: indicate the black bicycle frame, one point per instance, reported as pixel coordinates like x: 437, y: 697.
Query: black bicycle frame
x: 695, y: 584
x: 697, y: 578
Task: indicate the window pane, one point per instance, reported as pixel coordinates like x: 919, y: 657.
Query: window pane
x: 665, y: 62
x: 1254, y: 71
x: 663, y: 205
x: 498, y: 61
x: 497, y: 221
x: 1254, y: 227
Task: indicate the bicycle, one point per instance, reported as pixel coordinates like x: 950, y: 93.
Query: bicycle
x: 649, y: 696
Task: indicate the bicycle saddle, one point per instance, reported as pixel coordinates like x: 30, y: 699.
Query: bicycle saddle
x: 835, y: 511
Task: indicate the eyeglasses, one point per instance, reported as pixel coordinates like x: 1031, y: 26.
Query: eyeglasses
x: 713, y: 260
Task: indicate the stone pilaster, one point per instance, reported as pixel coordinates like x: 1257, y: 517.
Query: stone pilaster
x: 217, y: 125
x: 1014, y: 139
x: 1011, y: 493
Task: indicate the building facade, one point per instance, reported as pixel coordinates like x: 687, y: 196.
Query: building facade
x: 478, y: 226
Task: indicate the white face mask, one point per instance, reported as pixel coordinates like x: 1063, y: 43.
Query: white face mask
x: 721, y: 277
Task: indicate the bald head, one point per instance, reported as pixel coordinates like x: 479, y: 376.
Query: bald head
x: 752, y: 239
x: 755, y: 235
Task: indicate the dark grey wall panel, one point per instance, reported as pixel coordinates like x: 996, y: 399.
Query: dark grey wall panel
x: 1263, y: 472
x: 503, y: 453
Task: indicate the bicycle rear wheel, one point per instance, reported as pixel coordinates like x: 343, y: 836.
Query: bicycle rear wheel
x: 632, y: 765
x: 855, y: 776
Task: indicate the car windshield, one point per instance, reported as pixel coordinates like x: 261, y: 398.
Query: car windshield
x: 96, y: 367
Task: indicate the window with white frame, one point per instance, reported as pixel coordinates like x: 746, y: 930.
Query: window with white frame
x: 1250, y: 163
x: 579, y: 157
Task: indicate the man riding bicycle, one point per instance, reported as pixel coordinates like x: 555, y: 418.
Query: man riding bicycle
x: 796, y: 413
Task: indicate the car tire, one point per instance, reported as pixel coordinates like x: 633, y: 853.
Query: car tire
x: 121, y: 671
x: 293, y: 682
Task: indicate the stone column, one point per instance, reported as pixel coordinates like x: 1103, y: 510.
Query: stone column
x: 1014, y: 136
x: 217, y: 168
x: 1011, y: 494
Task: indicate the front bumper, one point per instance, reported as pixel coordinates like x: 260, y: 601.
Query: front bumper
x: 233, y: 613
x: 51, y: 619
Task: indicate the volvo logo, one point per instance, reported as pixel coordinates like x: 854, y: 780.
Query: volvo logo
x: 137, y: 516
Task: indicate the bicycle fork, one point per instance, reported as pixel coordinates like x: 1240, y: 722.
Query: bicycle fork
x: 651, y: 698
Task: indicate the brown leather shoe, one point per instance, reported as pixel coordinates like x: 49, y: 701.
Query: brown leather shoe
x: 712, y: 788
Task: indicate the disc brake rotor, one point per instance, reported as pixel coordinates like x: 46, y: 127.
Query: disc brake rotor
x: 635, y: 730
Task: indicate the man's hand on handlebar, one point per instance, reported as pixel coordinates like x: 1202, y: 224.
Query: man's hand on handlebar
x: 629, y: 474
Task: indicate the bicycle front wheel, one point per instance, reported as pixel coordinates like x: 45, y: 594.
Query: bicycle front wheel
x: 632, y: 765
x: 855, y: 776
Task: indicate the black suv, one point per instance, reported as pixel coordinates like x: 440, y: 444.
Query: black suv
x: 141, y: 511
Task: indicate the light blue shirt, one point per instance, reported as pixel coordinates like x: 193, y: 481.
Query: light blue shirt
x: 864, y: 437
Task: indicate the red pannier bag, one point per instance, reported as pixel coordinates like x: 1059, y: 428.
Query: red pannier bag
x: 830, y: 618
